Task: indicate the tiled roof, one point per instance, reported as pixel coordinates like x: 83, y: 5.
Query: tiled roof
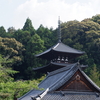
x: 58, y: 77
x: 72, y: 96
x: 54, y: 66
x: 61, y: 95
x: 52, y: 63
x: 32, y: 93
x: 59, y: 47
x: 65, y: 48
x: 51, y: 67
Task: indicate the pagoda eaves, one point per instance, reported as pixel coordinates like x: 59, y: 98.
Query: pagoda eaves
x: 61, y: 50
x: 54, y: 66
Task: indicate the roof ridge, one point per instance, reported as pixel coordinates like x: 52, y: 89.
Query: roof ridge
x: 55, y: 46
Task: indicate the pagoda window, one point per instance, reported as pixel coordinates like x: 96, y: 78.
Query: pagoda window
x: 59, y: 59
x: 62, y: 59
x: 66, y: 60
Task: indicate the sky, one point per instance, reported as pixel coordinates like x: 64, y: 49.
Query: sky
x: 13, y: 13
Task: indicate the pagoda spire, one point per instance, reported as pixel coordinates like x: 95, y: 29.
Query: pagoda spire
x: 59, y: 31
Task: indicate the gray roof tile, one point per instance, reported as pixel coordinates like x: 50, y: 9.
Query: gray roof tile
x: 59, y: 47
x: 59, y: 76
x: 30, y: 94
x: 71, y: 96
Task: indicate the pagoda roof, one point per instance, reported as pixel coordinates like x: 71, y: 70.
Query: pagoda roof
x: 60, y: 49
x: 57, y: 79
x: 52, y: 66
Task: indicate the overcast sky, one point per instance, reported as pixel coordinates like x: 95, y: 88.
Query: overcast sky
x: 15, y: 12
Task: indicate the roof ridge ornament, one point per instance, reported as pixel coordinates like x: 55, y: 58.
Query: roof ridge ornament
x: 59, y: 30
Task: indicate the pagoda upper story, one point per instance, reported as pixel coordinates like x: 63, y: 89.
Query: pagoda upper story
x: 60, y: 52
x: 59, y: 55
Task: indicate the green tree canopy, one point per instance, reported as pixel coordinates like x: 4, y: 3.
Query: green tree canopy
x: 2, y: 31
x: 96, y: 18
x: 47, y: 35
x: 95, y: 75
x: 11, y: 49
x: 5, y: 71
x: 28, y: 26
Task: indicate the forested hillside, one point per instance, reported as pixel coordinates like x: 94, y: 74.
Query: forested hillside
x: 18, y: 47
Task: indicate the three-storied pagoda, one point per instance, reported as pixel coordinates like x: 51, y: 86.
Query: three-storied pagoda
x: 65, y: 81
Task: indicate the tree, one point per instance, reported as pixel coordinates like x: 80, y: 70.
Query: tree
x: 11, y: 30
x: 10, y: 89
x: 5, y: 71
x: 28, y: 26
x: 95, y: 75
x: 96, y: 18
x: 2, y: 32
x: 22, y: 36
x: 48, y: 35
x: 11, y: 49
x: 15, y: 89
x: 34, y: 46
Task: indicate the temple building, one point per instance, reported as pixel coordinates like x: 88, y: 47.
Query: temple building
x: 64, y: 80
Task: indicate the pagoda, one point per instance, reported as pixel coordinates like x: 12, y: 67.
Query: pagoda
x: 64, y: 80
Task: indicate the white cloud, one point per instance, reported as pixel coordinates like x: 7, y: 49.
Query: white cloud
x: 47, y: 12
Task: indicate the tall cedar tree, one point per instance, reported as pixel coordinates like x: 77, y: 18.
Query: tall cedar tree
x: 28, y: 26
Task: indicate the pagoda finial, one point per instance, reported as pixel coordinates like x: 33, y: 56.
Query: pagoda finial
x: 59, y: 31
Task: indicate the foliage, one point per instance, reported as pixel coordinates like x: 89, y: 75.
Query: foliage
x: 48, y: 35
x: 11, y: 49
x: 2, y: 31
x: 10, y: 89
x: 34, y: 46
x: 5, y: 72
x: 95, y: 75
x: 11, y: 30
x: 13, y: 90
x: 28, y: 26
x: 22, y: 36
